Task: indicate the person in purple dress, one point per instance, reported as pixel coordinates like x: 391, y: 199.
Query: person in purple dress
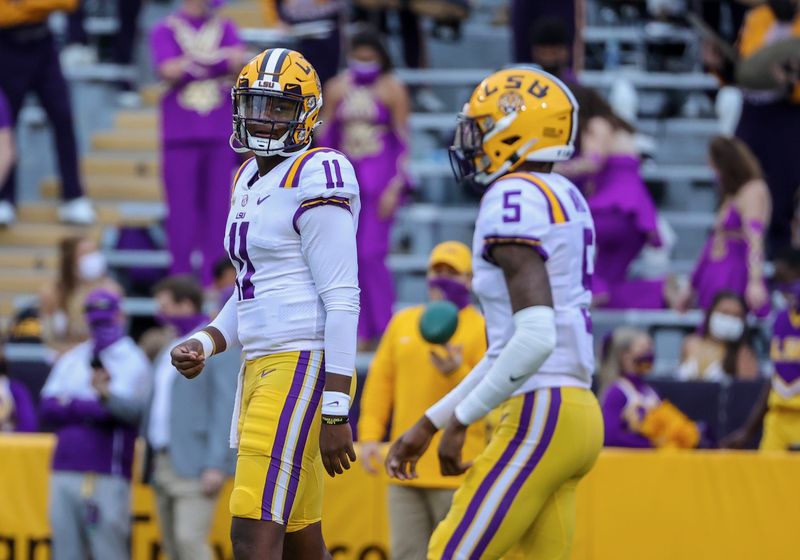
x: 94, y: 398
x: 366, y: 117
x: 17, y: 411
x: 195, y: 51
x: 733, y: 256
x: 625, y: 217
x: 627, y: 398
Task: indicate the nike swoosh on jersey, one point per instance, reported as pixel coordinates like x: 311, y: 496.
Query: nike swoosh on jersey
x: 515, y: 379
x: 263, y: 373
x: 334, y: 403
x: 260, y: 200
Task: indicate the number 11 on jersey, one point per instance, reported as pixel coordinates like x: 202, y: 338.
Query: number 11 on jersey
x: 244, y: 267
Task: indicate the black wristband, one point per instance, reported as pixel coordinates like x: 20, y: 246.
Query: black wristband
x: 335, y: 420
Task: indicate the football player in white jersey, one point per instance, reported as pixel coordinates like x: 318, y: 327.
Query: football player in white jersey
x: 533, y: 255
x: 291, y: 234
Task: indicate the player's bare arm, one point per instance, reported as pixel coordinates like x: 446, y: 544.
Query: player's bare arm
x: 528, y: 286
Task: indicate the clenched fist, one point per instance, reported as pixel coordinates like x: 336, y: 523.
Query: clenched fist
x: 188, y: 358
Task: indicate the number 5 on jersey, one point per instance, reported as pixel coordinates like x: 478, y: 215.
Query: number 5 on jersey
x: 238, y: 254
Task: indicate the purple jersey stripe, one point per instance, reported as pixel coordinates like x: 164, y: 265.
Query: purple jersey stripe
x: 280, y: 437
x: 492, y: 241
x: 522, y: 476
x: 248, y: 289
x: 492, y: 476
x: 337, y: 201
x: 297, y: 459
x: 237, y: 262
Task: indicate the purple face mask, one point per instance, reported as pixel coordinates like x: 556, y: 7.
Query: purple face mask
x: 364, y: 73
x: 792, y: 292
x: 453, y: 291
x: 102, y: 310
x: 182, y: 324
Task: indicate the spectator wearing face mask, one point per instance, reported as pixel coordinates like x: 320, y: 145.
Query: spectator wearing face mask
x: 17, y: 411
x: 93, y: 399
x: 722, y: 349
x: 733, y: 256
x: 778, y: 409
x: 81, y: 269
x: 366, y: 114
x: 407, y: 375
x: 627, y: 398
x: 187, y: 427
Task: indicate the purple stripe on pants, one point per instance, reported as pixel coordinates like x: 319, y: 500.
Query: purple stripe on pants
x: 280, y: 437
x: 297, y: 460
x: 492, y: 476
x: 522, y: 476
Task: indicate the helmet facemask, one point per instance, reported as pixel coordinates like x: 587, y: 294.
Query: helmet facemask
x: 467, y: 151
x: 271, y: 123
x: 468, y: 157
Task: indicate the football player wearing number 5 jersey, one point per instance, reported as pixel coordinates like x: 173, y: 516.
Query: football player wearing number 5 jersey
x: 291, y: 234
x: 533, y: 255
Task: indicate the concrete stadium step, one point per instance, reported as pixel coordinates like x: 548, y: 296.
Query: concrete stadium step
x: 151, y: 94
x: 136, y: 164
x: 39, y: 235
x: 28, y: 258
x: 108, y: 214
x: 99, y: 188
x: 125, y: 140
x: 137, y: 120
x: 248, y: 14
x: 24, y: 281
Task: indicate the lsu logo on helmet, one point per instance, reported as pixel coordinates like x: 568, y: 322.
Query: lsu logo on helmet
x: 276, y: 102
x: 515, y: 115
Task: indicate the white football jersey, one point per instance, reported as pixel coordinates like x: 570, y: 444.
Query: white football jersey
x: 279, y: 308
x: 548, y: 213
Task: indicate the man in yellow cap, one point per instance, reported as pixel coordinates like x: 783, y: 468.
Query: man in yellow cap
x: 407, y: 376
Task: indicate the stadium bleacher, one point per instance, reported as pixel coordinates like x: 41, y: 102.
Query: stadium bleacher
x: 122, y: 174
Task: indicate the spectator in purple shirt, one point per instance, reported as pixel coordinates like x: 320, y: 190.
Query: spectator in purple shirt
x: 94, y: 398
x: 627, y: 398
x: 17, y: 412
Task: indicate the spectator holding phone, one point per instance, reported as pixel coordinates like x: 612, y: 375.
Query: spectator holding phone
x: 93, y: 399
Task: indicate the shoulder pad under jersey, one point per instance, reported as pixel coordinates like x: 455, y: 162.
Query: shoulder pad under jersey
x: 322, y: 173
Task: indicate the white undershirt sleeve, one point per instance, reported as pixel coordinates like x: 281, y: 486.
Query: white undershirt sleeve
x: 441, y: 412
x: 533, y: 341
x: 227, y: 322
x: 328, y: 240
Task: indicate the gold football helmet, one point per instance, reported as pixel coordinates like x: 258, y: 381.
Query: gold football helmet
x: 515, y: 115
x: 276, y: 104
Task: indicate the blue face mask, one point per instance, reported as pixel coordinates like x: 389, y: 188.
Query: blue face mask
x: 364, y: 73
